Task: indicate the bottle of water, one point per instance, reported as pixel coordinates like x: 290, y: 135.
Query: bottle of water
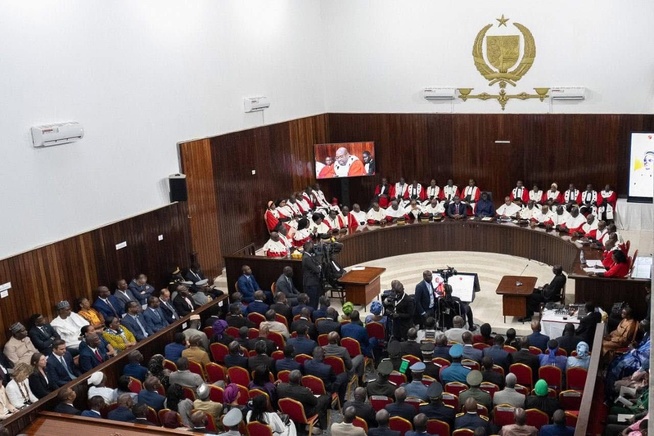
x: 582, y: 257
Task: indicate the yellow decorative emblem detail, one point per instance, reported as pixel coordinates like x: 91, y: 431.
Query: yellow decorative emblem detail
x: 499, y: 64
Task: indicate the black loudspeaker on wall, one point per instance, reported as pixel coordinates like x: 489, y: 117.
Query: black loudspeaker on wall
x: 177, y: 184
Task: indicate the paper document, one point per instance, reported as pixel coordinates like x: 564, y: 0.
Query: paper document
x: 358, y: 268
x: 594, y: 270
x: 592, y: 263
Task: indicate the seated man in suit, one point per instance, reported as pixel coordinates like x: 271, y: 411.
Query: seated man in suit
x: 42, y: 334
x: 382, y: 429
x: 107, y: 304
x: 288, y: 363
x: 96, y: 404
x: 247, y: 285
x: 313, y: 405
x: 498, y: 354
x: 93, y: 354
x: 285, y: 285
x: 471, y: 419
x: 60, y: 368
x: 65, y: 399
x: 329, y: 323
x: 524, y: 356
x: 134, y: 367
x: 546, y: 293
x: 261, y: 358
x: 333, y: 383
x: 183, y: 302
x: 149, y: 394
x: 166, y: 306
x: 258, y: 305
x: 362, y: 408
x: 302, y: 302
x: 303, y: 344
x: 305, y: 320
x: 352, y: 365
x: 355, y: 330
x: 141, y: 289
x: 124, y: 410
x: 135, y: 322
x: 236, y: 357
x: 470, y: 352
x: 123, y: 292
x: 183, y: 376
x: 536, y: 338
x: 282, y: 307
x: 346, y: 428
x: 154, y: 317
x: 399, y: 407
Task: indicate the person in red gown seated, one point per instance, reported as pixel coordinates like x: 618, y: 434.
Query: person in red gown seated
x: 620, y: 267
x: 383, y: 193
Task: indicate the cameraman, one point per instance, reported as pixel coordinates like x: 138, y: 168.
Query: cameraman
x: 404, y: 311
x: 311, y: 269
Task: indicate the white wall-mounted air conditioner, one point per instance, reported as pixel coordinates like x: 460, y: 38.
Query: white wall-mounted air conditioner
x: 568, y: 93
x: 437, y: 93
x: 253, y: 104
x: 57, y: 134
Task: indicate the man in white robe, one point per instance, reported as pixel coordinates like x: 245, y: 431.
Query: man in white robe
x: 376, y: 215
x: 275, y: 247
x: 508, y: 210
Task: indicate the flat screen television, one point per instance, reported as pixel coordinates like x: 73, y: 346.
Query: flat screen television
x: 344, y: 159
x: 641, y: 167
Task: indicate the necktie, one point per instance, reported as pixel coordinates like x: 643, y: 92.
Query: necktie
x: 112, y: 307
x: 190, y: 305
x: 63, y: 362
x: 98, y: 356
x: 172, y: 310
x: 138, y: 321
x: 431, y: 295
x: 157, y: 313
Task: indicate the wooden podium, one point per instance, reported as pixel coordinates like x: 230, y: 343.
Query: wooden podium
x: 362, y: 286
x: 514, y: 291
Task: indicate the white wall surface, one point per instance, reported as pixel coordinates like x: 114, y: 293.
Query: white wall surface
x: 381, y: 53
x: 140, y: 75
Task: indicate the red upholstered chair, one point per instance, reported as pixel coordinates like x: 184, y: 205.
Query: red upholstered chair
x: 216, y: 393
x: 322, y: 340
x: 575, y: 378
x: 295, y: 410
x: 489, y: 387
x: 361, y: 423
x: 278, y: 339
x: 570, y: 400
x: 535, y: 350
x: 134, y: 385
x: 301, y: 358
x: 256, y: 392
x: 106, y: 409
x: 503, y: 414
x: 509, y: 349
x: 317, y: 387
x: 451, y: 400
x: 438, y: 427
x: 480, y: 346
x: 498, y: 369
x: 522, y: 389
x: 255, y: 428
x: 196, y: 368
x: 218, y: 352
x: 376, y: 330
x: 463, y: 432
x: 352, y: 346
x: 441, y: 361
x: 277, y: 354
x: 232, y: 331
x: 215, y: 372
x: 571, y: 417
x: 162, y: 415
x: 561, y: 352
x: 188, y: 393
x: 468, y: 363
x: 170, y: 365
x: 253, y: 333
x: 411, y: 358
x: 522, y: 373
x: 537, y: 418
x: 283, y: 375
x: 397, y: 377
x: 281, y: 318
x: 400, y: 424
x: 244, y: 397
x: 256, y: 318
x: 378, y: 402
x: 427, y: 381
x: 455, y: 388
x: 152, y: 416
x: 296, y: 317
x: 211, y: 423
x: 238, y: 375
x: 208, y: 330
x: 336, y: 363
x: 415, y: 402
x: 552, y: 375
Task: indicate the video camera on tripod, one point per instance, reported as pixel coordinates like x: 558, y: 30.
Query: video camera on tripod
x: 446, y: 273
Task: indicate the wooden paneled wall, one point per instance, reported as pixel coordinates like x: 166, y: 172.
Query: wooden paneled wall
x: 544, y: 148
x: 76, y: 266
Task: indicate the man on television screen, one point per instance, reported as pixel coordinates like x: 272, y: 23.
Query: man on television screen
x: 348, y: 165
x: 368, y: 163
x: 327, y: 171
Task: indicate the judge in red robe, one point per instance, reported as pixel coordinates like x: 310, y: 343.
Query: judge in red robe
x: 415, y: 192
x: 607, y: 201
x: 572, y: 196
x: 271, y: 216
x: 620, y: 266
x: 399, y: 190
x: 519, y: 194
x: 589, y: 200
x: 553, y: 195
x: 383, y: 192
x: 470, y: 196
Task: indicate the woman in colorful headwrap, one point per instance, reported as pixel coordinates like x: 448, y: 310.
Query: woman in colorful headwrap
x: 348, y: 307
x: 219, y: 326
x: 621, y: 336
x: 541, y: 399
x: 231, y: 396
x: 582, y: 359
x: 550, y: 357
x: 376, y: 309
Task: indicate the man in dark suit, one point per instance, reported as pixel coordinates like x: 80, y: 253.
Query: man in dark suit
x: 42, y: 334
x: 311, y: 272
x: 436, y: 409
x: 329, y: 324
x: 281, y: 307
x: 569, y: 340
x: 124, y: 410
x: 523, y: 355
x: 352, y: 365
x: 154, y: 317
x: 588, y: 324
x: 166, y: 306
x: 149, y: 394
x: 288, y: 363
x: 107, y: 304
x: 497, y: 353
x: 363, y: 410
x: 536, y: 338
x: 456, y: 210
x: 135, y: 322
x: 258, y: 305
x: 302, y: 302
x: 96, y: 404
x: 321, y: 310
x: 547, y: 293
x: 65, y: 399
x: 305, y: 320
x: 140, y: 288
x: 302, y: 344
x: 285, y: 285
x: 236, y: 356
x: 470, y: 352
x: 92, y: 355
x: 470, y: 418
x: 488, y: 375
x: 382, y: 429
x: 312, y: 405
x: 399, y: 407
x: 404, y: 311
x: 60, y: 368
x: 411, y: 345
x: 5, y: 365
x: 333, y: 382
x: 261, y: 358
x: 442, y: 349
x: 183, y: 302
x: 425, y: 298
x: 247, y: 285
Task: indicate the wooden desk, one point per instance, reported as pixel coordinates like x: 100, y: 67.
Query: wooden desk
x: 514, y: 291
x: 362, y: 286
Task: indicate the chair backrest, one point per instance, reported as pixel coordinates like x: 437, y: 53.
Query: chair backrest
x: 255, y: 428
x: 537, y: 418
x: 552, y: 375
x: 489, y: 387
x: 352, y: 346
x: 455, y: 388
x: 314, y: 384
x: 196, y: 368
x: 571, y: 418
x: 503, y: 414
x: 361, y: 423
x: 336, y: 363
x: 106, y: 409
x: 468, y: 363
x: 322, y: 340
x: 438, y: 427
x: 441, y: 361
x: 216, y: 393
x: 400, y: 424
x: 170, y: 365
x: 273, y: 288
x: 463, y: 432
x: 397, y: 377
x: 535, y: 350
x: 301, y: 358
x: 256, y: 318
x: 162, y: 415
x: 152, y: 416
x: 244, y: 397
x: 256, y: 392
x: 427, y: 381
x: 296, y: 317
x: 575, y: 378
x: 215, y: 372
x: 281, y: 318
x: 415, y: 402
x: 509, y: 349
x: 239, y: 375
x: 277, y: 355
x: 522, y: 373
x: 208, y: 330
x: 278, y: 339
x: 232, y: 331
x: 376, y: 330
x: 451, y: 400
x: 283, y: 375
x: 411, y: 358
x: 570, y: 399
x: 378, y: 402
x: 218, y: 352
x: 480, y: 346
x: 294, y: 409
x: 188, y: 393
x: 253, y: 333
x: 522, y: 389
x: 561, y: 352
x: 498, y: 369
x: 134, y: 385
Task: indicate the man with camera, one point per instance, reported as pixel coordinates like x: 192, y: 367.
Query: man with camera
x: 403, y: 311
